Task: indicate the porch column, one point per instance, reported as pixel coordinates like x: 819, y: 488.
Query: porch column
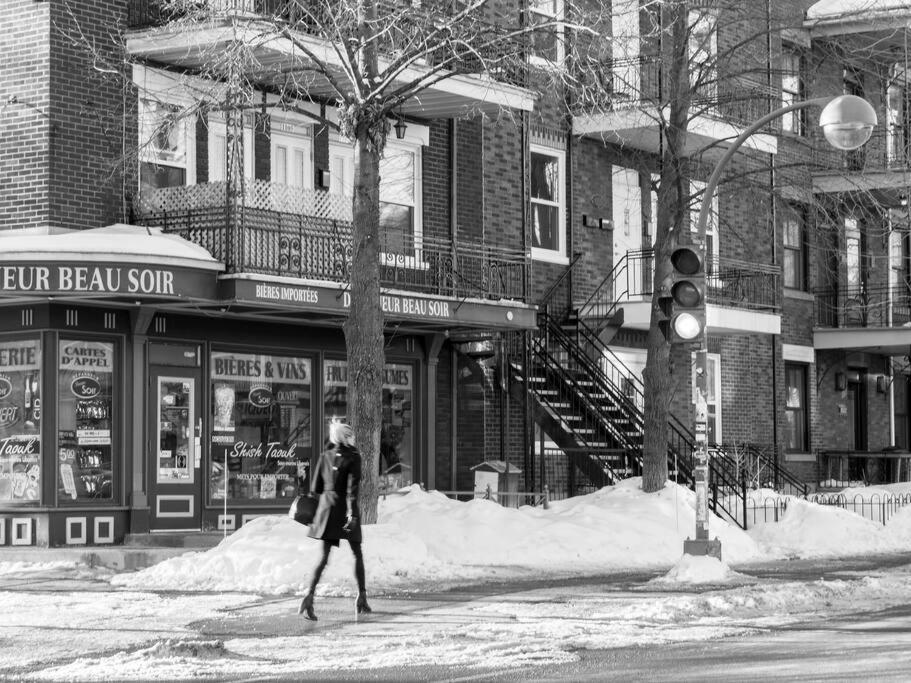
x: 434, y: 344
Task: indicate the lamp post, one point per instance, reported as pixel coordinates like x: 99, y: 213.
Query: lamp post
x: 847, y: 122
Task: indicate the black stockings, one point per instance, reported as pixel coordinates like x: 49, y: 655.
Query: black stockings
x: 358, y: 566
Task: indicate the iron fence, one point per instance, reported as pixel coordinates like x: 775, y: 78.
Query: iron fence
x: 863, y: 306
x: 875, y: 507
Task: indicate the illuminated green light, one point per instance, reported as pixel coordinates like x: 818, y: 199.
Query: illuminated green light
x: 686, y: 326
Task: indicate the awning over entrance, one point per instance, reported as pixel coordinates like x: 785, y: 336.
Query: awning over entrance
x: 114, y: 262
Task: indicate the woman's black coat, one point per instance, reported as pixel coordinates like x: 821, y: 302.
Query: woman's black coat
x: 338, y: 482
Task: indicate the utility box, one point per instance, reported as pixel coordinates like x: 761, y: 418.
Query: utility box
x: 497, y: 477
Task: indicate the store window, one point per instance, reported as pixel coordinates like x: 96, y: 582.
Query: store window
x: 548, y: 229
x: 795, y: 249
x: 261, y: 410
x: 85, y: 401
x: 397, y: 431
x: 796, y: 413
x: 20, y: 421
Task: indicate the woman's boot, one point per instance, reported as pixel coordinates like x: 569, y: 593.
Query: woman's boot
x: 361, y: 605
x: 307, y: 606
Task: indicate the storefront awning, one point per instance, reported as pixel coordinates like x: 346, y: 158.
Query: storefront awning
x: 117, y: 261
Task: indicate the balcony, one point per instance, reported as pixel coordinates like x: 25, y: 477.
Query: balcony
x: 637, y: 106
x: 741, y: 297
x: 276, y: 230
x: 880, y: 165
x: 181, y: 39
x: 874, y: 319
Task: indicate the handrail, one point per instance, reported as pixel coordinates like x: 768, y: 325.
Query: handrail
x: 545, y: 299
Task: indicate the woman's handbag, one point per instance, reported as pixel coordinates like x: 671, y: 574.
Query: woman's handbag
x: 303, y: 508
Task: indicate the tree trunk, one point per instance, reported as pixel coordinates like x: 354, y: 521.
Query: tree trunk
x: 659, y: 382
x: 364, y: 326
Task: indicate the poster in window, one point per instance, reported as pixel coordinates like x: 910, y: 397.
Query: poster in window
x: 397, y: 429
x: 20, y: 421
x: 85, y: 400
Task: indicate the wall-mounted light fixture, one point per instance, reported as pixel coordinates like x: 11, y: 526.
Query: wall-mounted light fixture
x: 881, y: 384
x: 323, y: 178
x: 400, y: 128
x: 840, y: 381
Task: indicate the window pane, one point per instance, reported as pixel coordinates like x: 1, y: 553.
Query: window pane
x: 261, y: 409
x: 792, y: 233
x: 397, y: 429
x: 20, y: 421
x: 545, y: 228
x: 397, y: 176
x: 85, y: 388
x: 162, y: 132
x: 152, y: 176
x: 545, y: 177
x: 281, y: 165
x: 791, y: 269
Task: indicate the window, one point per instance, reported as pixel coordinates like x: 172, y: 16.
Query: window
x: 795, y: 248
x: 20, y: 421
x: 625, y: 49
x: 164, y: 138
x: 397, y: 430
x: 85, y: 419
x: 547, y: 46
x: 854, y: 256
x: 261, y: 409
x: 712, y: 241
x: 547, y: 223
x: 792, y: 91
x: 703, y: 52
x: 401, y: 228
x: 218, y: 150
x: 796, y: 413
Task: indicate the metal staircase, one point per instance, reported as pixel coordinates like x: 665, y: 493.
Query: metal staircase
x: 591, y: 404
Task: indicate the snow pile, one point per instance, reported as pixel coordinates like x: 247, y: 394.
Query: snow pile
x: 426, y: 539
x: 809, y: 530
x: 699, y: 570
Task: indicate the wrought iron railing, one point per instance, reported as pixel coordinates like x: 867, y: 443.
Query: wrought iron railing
x: 281, y: 230
x: 887, y: 150
x: 864, y: 306
x: 637, y: 82
x: 731, y: 283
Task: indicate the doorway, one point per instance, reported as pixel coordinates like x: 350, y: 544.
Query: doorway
x: 175, y: 444
x: 857, y: 395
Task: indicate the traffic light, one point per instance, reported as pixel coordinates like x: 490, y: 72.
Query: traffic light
x: 682, y: 300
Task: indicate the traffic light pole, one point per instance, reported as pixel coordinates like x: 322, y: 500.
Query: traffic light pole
x: 702, y: 545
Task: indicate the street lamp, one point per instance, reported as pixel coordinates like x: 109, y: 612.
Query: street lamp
x: 847, y: 122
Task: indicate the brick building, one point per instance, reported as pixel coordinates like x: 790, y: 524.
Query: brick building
x: 173, y: 275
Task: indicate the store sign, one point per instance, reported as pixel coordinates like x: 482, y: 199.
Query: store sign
x: 15, y: 356
x: 394, y: 376
x: 84, y: 355
x: 393, y: 305
x: 266, y: 369
x: 85, y: 387
x: 106, y: 279
x: 261, y: 397
x: 6, y: 387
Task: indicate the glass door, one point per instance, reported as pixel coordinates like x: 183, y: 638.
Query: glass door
x: 175, y: 450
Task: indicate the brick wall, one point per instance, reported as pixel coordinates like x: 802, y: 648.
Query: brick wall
x: 86, y: 142
x: 24, y: 125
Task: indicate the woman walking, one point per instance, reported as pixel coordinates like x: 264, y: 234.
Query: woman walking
x: 337, y: 482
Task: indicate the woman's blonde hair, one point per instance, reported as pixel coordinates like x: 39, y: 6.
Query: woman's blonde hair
x: 341, y: 433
